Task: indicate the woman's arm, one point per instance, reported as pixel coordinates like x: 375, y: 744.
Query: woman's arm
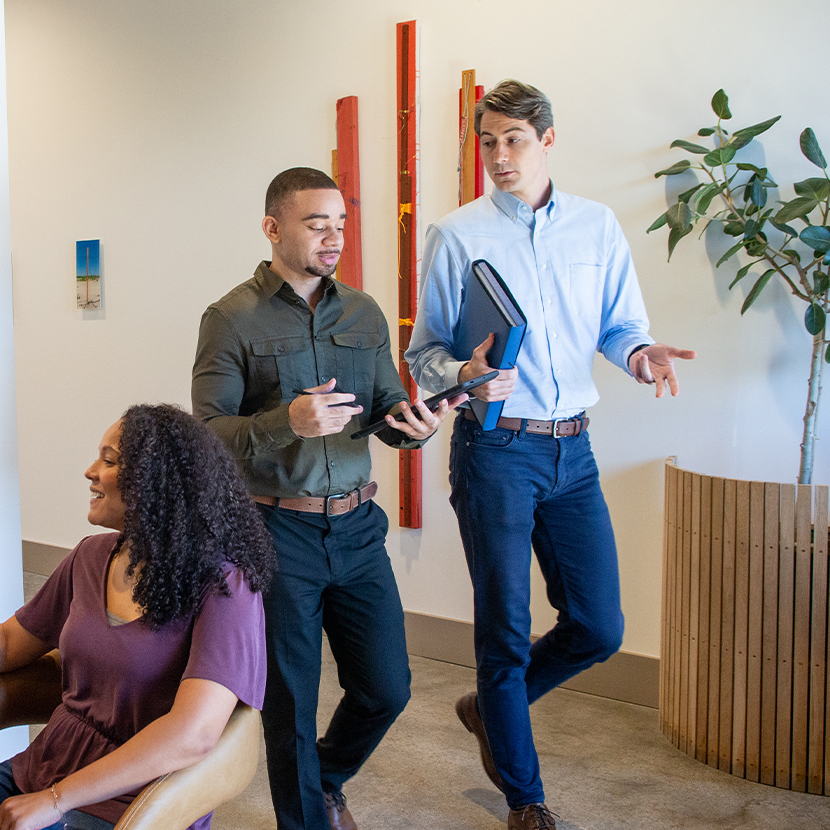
x: 17, y: 646
x: 185, y: 735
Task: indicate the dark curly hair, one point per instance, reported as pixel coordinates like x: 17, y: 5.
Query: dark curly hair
x: 186, y: 514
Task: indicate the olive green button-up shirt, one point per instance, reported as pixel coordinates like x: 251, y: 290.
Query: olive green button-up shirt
x: 259, y: 344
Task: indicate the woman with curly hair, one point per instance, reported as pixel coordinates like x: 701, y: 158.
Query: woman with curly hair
x: 160, y: 626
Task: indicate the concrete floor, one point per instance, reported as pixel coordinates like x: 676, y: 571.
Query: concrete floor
x: 606, y: 766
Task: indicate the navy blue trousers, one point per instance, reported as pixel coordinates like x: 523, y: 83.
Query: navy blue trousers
x: 333, y: 575
x: 514, y: 492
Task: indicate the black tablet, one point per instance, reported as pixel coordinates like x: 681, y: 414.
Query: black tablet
x: 432, y: 403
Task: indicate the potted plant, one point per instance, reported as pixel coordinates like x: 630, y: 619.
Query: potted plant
x: 744, y: 681
x: 734, y: 194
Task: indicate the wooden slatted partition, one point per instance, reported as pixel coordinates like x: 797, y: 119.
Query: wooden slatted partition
x: 744, y: 637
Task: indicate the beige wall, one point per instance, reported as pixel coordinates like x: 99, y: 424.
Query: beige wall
x: 156, y: 126
x: 11, y: 571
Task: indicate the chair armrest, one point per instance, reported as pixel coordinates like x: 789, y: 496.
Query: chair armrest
x: 176, y: 800
x: 30, y: 694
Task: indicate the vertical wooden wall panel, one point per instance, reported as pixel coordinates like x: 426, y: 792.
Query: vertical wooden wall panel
x: 715, y: 606
x: 744, y: 638
x: 701, y: 740
x: 769, y: 649
x: 755, y: 630
x: 468, y: 155
x: 350, y: 268
x: 818, y: 645
x: 409, y: 257
x: 727, y: 631
x: 786, y: 589
x: 685, y: 591
x: 801, y: 637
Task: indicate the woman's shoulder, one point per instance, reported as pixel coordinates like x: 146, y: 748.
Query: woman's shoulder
x: 95, y: 546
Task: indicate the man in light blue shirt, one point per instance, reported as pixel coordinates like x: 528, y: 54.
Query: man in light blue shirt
x: 532, y: 480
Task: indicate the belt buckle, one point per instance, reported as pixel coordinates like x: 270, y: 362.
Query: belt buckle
x: 327, y: 500
x: 555, y: 424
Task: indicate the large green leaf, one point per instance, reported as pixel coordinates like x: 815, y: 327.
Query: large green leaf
x: 795, y: 209
x: 757, y: 289
x: 657, y: 223
x: 761, y: 172
x: 675, y: 235
x: 758, y: 193
x: 677, y: 167
x: 748, y: 133
x: 733, y: 228
x: 827, y: 355
x: 814, y: 319
x: 821, y: 282
x: 679, y: 216
x: 733, y: 250
x: 720, y: 105
x: 742, y: 272
x: 687, y: 145
x: 723, y: 155
x: 784, y: 228
x: 757, y: 245
x: 703, y: 132
x: 687, y: 194
x: 811, y: 149
x: 818, y: 189
x: 705, y: 196
x: 751, y: 228
x: 816, y: 237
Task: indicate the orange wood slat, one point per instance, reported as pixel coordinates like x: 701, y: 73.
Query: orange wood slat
x: 818, y: 646
x: 801, y: 637
x: 769, y: 649
x: 676, y: 610
x: 727, y: 631
x: 755, y: 630
x: 348, y: 180
x: 716, y: 608
x: 468, y: 155
x: 410, y: 463
x: 703, y: 617
x: 739, y: 676
x: 786, y: 588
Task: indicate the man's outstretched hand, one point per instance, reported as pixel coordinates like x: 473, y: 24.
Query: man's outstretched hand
x: 655, y: 364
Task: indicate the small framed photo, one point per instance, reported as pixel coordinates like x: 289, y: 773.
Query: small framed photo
x: 88, y: 273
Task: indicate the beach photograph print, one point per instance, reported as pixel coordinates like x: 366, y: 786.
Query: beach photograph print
x: 88, y: 273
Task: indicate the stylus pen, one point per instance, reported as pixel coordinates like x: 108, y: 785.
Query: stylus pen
x: 347, y: 403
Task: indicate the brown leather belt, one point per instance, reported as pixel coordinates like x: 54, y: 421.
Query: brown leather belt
x: 335, y: 505
x: 560, y: 428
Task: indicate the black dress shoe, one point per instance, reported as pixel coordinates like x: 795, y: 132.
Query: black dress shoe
x: 467, y: 710
x: 339, y: 816
x: 531, y: 817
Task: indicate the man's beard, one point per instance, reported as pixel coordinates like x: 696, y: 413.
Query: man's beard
x: 321, y: 271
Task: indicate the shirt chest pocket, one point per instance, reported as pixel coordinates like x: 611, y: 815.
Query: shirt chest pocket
x: 585, y: 286
x: 356, y: 358
x: 279, y: 362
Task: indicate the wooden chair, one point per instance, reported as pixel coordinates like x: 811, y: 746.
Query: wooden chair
x: 172, y: 802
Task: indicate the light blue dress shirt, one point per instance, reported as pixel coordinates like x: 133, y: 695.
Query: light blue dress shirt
x: 568, y: 267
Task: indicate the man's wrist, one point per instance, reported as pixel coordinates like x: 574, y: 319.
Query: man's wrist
x: 634, y: 351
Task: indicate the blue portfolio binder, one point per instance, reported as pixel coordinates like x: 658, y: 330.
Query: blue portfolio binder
x: 488, y: 306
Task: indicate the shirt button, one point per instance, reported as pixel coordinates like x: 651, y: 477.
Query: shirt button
x: 323, y: 379
x: 331, y: 463
x: 544, y: 266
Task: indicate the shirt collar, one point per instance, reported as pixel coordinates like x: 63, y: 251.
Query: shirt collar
x: 511, y: 206
x: 271, y: 282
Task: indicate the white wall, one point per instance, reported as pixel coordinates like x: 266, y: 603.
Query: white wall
x: 156, y: 127
x: 11, y: 570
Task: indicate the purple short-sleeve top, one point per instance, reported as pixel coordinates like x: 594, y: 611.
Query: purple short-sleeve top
x: 119, y: 678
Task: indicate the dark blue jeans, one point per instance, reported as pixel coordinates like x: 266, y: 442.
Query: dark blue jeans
x: 73, y: 820
x: 513, y: 492
x: 333, y: 574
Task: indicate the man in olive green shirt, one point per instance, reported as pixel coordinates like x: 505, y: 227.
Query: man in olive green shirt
x: 289, y: 364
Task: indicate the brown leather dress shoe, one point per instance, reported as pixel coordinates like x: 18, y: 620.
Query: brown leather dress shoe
x: 467, y: 710
x: 531, y: 817
x: 339, y: 816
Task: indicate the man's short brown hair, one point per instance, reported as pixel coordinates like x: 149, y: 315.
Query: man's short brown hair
x: 517, y: 100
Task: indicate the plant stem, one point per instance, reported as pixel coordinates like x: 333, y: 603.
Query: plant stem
x: 805, y: 472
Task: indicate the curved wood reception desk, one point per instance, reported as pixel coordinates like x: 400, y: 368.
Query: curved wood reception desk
x: 743, y: 663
